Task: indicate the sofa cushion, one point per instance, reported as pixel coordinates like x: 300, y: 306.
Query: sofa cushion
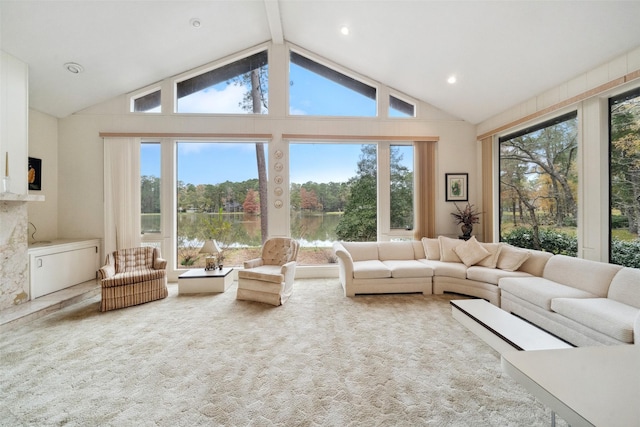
x: 470, y: 252
x: 446, y: 249
x: 625, y: 287
x: 395, y: 250
x: 134, y: 276
x: 408, y: 268
x: 362, y: 251
x: 133, y: 258
x: 371, y: 269
x: 264, y: 273
x: 449, y: 269
x: 491, y: 275
x: 539, y: 291
x: 494, y: 250
x: 590, y: 276
x: 610, y: 317
x: 534, y: 265
x: 431, y: 248
x: 418, y: 250
x: 511, y: 258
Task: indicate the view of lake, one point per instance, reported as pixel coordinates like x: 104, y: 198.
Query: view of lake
x: 312, y: 229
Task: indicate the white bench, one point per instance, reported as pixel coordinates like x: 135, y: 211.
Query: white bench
x: 501, y: 330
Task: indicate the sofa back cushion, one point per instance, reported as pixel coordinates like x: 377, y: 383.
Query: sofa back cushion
x: 133, y: 258
x: 625, y: 287
x: 395, y: 250
x: 431, y: 248
x: 534, y: 265
x: 511, y: 258
x: 362, y: 251
x: 590, y: 276
x: 446, y: 249
x: 494, y: 250
x: 418, y: 250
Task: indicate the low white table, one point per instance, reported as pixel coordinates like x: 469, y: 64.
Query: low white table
x: 199, y: 280
x: 502, y: 330
x: 586, y: 386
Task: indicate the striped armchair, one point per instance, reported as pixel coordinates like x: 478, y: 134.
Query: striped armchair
x: 133, y: 276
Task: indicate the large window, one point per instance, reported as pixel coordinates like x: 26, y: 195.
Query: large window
x: 538, y: 186
x: 219, y: 197
x: 401, y: 187
x: 237, y: 88
x: 338, y: 191
x: 625, y: 178
x: 150, y: 219
x: 317, y: 90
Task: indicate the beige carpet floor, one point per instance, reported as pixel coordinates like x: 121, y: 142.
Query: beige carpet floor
x: 320, y: 360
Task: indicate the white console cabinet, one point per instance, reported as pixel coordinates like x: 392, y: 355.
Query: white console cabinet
x: 62, y: 263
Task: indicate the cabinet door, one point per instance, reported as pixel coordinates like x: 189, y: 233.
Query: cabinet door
x: 50, y: 273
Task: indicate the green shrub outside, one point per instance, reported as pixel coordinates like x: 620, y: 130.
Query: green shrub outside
x: 623, y: 252
x: 551, y: 240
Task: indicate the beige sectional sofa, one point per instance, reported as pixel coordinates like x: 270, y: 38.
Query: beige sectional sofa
x: 583, y: 302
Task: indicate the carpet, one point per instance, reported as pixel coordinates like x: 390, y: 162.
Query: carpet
x: 319, y: 360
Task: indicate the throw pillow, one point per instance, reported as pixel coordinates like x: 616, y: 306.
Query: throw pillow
x: 471, y: 251
x: 431, y: 248
x: 494, y: 252
x: 511, y: 258
x: 446, y: 249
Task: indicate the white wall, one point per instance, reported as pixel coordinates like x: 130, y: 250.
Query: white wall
x: 43, y: 144
x: 80, y: 149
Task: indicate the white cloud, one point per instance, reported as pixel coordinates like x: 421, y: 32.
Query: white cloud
x: 212, y: 101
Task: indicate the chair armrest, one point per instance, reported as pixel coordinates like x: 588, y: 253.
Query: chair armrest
x: 288, y: 270
x: 636, y: 331
x: 107, y: 271
x: 253, y: 263
x: 159, y: 264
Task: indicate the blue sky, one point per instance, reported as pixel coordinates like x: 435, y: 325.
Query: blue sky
x: 310, y: 94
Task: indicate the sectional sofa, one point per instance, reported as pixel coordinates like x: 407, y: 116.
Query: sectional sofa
x: 583, y: 302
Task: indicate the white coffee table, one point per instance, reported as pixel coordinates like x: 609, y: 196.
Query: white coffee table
x: 199, y: 280
x: 502, y: 330
x: 586, y: 386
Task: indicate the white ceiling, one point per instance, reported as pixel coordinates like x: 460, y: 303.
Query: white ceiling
x: 502, y: 52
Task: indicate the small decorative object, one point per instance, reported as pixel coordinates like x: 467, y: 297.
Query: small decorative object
x: 211, y: 247
x: 35, y: 174
x: 467, y: 217
x: 457, y: 186
x: 6, y: 181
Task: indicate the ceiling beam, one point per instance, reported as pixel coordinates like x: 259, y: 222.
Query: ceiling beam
x: 275, y: 22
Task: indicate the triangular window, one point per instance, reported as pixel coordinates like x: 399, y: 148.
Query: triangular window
x: 230, y: 89
x: 317, y: 90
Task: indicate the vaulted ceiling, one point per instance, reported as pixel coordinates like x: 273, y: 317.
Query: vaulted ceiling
x: 502, y: 52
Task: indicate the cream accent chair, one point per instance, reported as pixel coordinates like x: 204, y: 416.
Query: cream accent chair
x: 269, y: 279
x: 133, y: 276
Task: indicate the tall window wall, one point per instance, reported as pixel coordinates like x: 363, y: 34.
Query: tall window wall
x: 218, y: 197
x: 538, y: 186
x: 352, y: 192
x: 624, y: 115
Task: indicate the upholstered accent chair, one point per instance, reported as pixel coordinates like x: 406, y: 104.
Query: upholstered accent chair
x: 133, y: 276
x: 269, y: 279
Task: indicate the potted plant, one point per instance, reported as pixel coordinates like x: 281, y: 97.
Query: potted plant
x: 467, y: 217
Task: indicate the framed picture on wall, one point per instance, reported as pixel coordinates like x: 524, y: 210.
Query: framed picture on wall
x: 35, y: 174
x: 457, y: 187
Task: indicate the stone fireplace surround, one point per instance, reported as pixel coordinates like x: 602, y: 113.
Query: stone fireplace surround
x: 14, y: 258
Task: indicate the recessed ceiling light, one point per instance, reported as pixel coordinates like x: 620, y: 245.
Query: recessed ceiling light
x: 451, y: 80
x: 345, y: 30
x: 195, y: 23
x: 74, y: 68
